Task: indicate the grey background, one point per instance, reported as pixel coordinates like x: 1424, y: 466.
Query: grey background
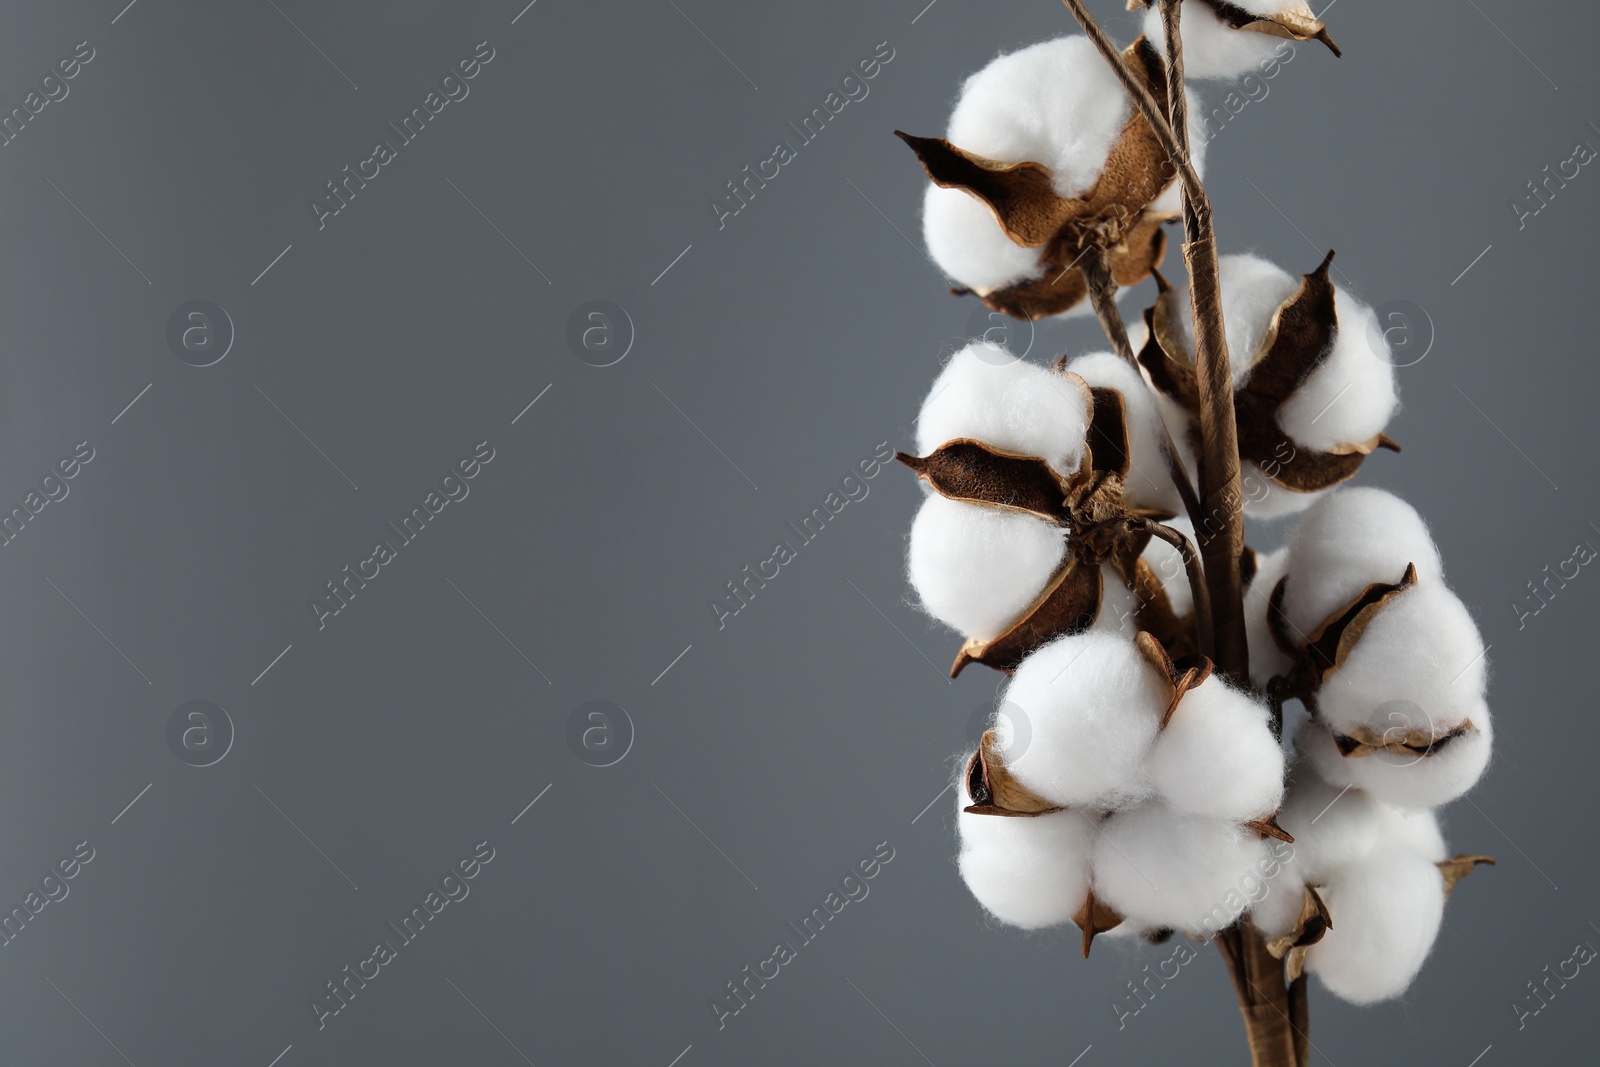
x: 819, y: 721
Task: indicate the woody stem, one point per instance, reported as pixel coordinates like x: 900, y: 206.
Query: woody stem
x: 1197, y: 582
x: 1221, y: 530
x: 1102, y: 296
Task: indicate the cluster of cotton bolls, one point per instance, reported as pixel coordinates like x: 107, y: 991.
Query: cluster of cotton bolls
x: 1154, y: 797
x: 1399, y: 726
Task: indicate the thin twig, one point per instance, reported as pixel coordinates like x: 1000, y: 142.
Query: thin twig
x: 1102, y: 287
x: 1197, y: 581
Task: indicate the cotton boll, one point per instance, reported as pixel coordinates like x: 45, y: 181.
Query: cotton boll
x: 1419, y: 665
x: 1347, y: 541
x: 1266, y: 658
x: 1093, y: 705
x: 986, y: 394
x: 1217, y: 756
x: 1404, y: 778
x: 1386, y: 913
x: 1159, y: 867
x: 1027, y: 872
x: 1056, y: 103
x: 1212, y: 49
x: 1350, y: 398
x: 1148, y: 484
x: 966, y: 240
x: 1332, y: 826
x: 975, y: 568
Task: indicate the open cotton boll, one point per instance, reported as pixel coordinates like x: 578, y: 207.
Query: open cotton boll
x: 1404, y: 778
x: 1266, y: 658
x: 1217, y: 756
x: 1386, y: 913
x: 967, y: 243
x: 1159, y: 867
x: 986, y: 394
x: 977, y: 568
x: 1347, y: 541
x: 1252, y: 290
x: 1056, y: 103
x: 1148, y: 485
x: 1212, y: 49
x: 1351, y: 396
x: 1093, y: 706
x: 1419, y: 665
x: 1027, y: 872
x: 1332, y: 826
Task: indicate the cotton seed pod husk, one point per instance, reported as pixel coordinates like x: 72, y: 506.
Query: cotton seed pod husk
x: 1159, y: 867
x: 1093, y: 706
x: 1386, y: 914
x: 1147, y: 485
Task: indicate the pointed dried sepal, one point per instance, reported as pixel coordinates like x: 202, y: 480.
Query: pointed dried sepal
x: 1060, y: 285
x: 1418, y: 741
x: 1269, y: 827
x: 1295, y: 23
x: 993, y: 789
x: 1458, y: 867
x: 1095, y: 917
x: 976, y: 473
x: 1019, y: 194
x: 1326, y: 648
x: 1181, y: 677
x: 1069, y: 605
x: 1315, y: 920
x: 1157, y: 617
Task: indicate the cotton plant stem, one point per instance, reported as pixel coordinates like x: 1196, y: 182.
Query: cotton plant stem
x: 1221, y: 527
x: 1102, y: 297
x: 1197, y: 581
x: 1264, y: 999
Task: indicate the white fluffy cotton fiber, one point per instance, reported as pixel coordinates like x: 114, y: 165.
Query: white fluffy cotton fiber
x: 1266, y: 658
x: 1386, y: 913
x: 1093, y: 705
x: 1212, y: 49
x: 1148, y: 484
x: 986, y: 394
x: 1348, y: 540
x: 976, y: 569
x: 1217, y: 756
x: 1029, y: 872
x: 1160, y: 867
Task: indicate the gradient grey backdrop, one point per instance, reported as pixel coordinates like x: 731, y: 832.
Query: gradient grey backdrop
x: 777, y: 752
